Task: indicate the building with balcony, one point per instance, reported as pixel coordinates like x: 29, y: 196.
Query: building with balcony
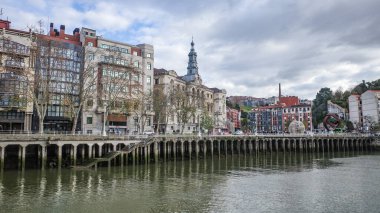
x: 233, y: 116
x: 209, y: 102
x: 120, y: 75
x: 58, y: 67
x: 16, y: 67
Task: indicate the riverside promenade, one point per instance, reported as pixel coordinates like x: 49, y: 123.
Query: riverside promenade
x: 89, y: 151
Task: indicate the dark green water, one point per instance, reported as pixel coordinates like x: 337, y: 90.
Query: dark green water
x: 339, y: 182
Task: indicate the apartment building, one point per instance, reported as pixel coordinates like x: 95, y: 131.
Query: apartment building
x: 16, y: 68
x: 119, y: 74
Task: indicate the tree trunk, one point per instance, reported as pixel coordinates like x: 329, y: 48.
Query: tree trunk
x: 41, y: 126
x: 158, y: 123
x: 75, y: 122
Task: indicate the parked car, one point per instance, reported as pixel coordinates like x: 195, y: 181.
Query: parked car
x: 148, y: 132
x: 238, y: 132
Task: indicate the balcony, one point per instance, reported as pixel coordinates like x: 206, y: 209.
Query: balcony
x: 11, y: 47
x: 15, y: 64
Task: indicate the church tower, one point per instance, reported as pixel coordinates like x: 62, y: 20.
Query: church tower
x: 192, y: 67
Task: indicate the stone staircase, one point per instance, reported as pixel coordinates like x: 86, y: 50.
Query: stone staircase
x: 112, y: 155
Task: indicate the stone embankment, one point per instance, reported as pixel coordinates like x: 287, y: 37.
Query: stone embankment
x: 83, y: 151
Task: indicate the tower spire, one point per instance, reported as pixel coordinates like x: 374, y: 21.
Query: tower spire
x: 192, y: 66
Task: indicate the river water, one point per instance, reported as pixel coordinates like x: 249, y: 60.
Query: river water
x: 334, y: 182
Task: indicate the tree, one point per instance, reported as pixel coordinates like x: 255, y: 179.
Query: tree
x: 319, y: 109
x: 161, y: 105
x: 207, y: 123
x: 185, y: 106
x: 40, y: 84
x: 141, y: 103
x: 74, y: 105
x: 244, y: 124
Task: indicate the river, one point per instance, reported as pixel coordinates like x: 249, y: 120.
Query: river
x: 278, y: 182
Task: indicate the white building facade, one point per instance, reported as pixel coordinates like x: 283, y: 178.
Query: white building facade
x: 213, y: 99
x: 370, y: 108
x: 128, y: 72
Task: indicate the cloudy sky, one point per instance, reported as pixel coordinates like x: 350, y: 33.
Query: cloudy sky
x: 244, y: 46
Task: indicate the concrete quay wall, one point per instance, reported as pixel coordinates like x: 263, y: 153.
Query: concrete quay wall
x: 42, y: 151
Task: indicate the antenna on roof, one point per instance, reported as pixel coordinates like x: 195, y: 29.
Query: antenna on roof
x: 1, y: 13
x: 40, y: 25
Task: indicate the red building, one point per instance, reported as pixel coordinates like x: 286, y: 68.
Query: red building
x: 233, y: 116
x: 289, y: 101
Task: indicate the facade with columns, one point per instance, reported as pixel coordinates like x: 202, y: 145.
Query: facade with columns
x: 213, y: 99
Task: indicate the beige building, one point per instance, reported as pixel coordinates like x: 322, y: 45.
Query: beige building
x: 121, y: 73
x: 209, y: 102
x: 16, y: 68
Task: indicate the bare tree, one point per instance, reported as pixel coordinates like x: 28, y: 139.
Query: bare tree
x: 87, y: 80
x: 161, y: 103
x: 185, y: 106
x: 40, y: 82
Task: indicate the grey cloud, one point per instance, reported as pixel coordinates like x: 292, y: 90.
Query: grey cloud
x: 252, y: 44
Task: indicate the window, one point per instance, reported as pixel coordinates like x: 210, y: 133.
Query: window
x: 149, y: 66
x: 148, y: 80
x: 89, y: 120
x: 156, y: 81
x: 89, y: 132
x: 90, y: 103
x: 91, y: 56
x: 135, y: 53
x: 90, y: 44
x: 86, y: 33
x: 136, y: 64
x: 105, y: 46
x: 148, y: 55
x: 92, y: 34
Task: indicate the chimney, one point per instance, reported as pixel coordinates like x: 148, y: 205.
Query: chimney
x: 62, y: 30
x: 76, y: 32
x: 51, y: 29
x: 5, y: 24
x: 279, y: 91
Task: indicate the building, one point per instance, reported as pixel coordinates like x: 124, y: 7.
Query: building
x: 188, y: 93
x: 16, y: 67
x: 370, y: 108
x: 364, y: 109
x: 233, y: 116
x: 336, y: 109
x: 59, y: 66
x: 77, y: 81
x: 355, y: 110
x: 289, y: 100
x: 300, y: 112
x: 121, y: 76
x: 276, y: 118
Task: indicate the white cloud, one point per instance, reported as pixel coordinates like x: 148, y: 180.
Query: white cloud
x: 246, y: 47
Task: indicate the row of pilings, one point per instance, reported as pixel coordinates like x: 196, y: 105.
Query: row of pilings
x: 65, y: 154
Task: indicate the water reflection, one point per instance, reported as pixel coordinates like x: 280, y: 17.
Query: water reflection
x: 217, y: 184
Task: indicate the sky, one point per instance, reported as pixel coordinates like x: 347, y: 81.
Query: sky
x: 244, y: 46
